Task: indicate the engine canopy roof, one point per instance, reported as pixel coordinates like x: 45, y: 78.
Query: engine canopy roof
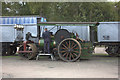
x: 68, y: 23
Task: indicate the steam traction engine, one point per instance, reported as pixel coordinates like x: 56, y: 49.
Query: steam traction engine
x: 65, y: 45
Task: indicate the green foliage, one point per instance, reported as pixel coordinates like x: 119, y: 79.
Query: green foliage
x: 65, y: 11
x: 118, y: 9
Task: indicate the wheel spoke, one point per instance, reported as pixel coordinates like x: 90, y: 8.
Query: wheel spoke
x: 62, y: 51
x: 72, y: 55
x: 74, y: 46
x: 75, y: 54
x: 64, y: 46
x: 66, y: 43
x: 64, y: 54
x: 67, y: 55
x: 69, y: 43
x: 76, y: 51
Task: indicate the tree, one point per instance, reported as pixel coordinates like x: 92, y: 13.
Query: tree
x: 118, y: 10
x: 15, y: 9
x: 65, y: 11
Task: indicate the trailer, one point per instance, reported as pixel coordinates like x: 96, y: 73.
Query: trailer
x: 108, y: 34
x: 11, y: 37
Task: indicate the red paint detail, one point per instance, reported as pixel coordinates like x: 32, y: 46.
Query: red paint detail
x: 85, y: 48
x: 24, y: 52
x: 25, y: 44
x: 77, y: 36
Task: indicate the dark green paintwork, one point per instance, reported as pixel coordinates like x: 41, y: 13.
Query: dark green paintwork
x: 86, y: 47
x: 41, y: 43
x: 86, y: 51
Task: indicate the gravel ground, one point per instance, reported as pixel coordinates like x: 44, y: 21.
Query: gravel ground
x: 99, y: 66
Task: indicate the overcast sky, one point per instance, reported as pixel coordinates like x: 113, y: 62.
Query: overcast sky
x: 114, y: 0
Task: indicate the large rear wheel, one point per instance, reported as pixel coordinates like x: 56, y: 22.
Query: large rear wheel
x: 69, y: 50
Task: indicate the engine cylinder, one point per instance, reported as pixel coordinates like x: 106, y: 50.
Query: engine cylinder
x: 52, y: 43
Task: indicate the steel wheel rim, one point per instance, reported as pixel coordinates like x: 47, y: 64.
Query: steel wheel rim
x: 22, y: 54
x: 69, y: 50
x: 29, y: 47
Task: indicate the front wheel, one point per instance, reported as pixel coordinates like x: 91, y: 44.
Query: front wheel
x: 29, y: 47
